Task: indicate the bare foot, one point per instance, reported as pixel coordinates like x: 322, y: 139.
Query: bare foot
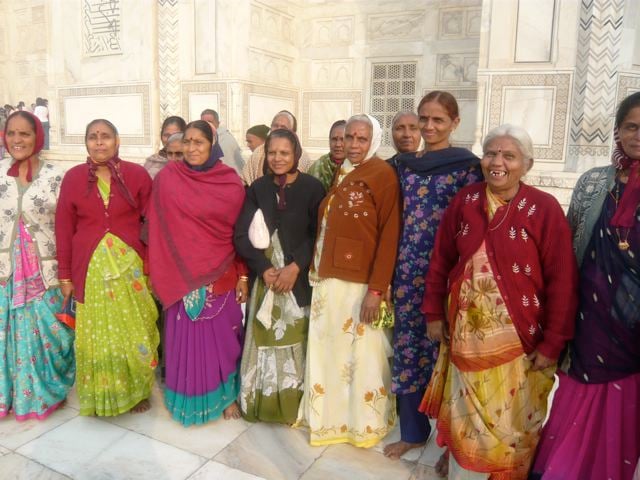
x: 141, y: 407
x: 395, y: 450
x: 232, y: 412
x: 442, y: 466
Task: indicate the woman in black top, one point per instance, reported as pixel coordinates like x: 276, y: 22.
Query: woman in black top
x: 272, y: 370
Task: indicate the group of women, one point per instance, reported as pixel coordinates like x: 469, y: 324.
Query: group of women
x: 477, y: 267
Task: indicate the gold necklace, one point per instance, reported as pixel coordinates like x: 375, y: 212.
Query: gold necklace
x: 623, y: 244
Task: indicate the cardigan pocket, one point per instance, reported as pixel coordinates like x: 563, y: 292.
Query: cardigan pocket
x: 348, y: 253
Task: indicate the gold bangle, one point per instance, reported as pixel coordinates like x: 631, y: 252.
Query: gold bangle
x: 64, y: 280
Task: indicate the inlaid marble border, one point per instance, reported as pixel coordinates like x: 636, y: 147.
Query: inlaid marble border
x: 204, y: 87
x: 561, y: 82
x: 628, y: 83
x: 354, y: 96
x: 270, y: 92
x: 106, y: 91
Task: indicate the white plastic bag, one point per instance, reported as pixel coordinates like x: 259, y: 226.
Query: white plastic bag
x: 258, y: 231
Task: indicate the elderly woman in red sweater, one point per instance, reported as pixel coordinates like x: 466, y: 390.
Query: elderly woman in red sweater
x: 98, y: 222
x: 503, y: 263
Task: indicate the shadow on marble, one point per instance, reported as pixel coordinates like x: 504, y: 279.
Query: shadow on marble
x: 394, y: 436
x: 204, y: 440
x: 95, y: 449
x: 275, y: 452
x: 424, y: 472
x: 4, y: 451
x: 215, y: 471
x: 347, y: 462
x: 72, y: 399
x: 13, y: 434
x: 17, y: 467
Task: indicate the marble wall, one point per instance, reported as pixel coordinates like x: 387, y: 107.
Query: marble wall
x: 556, y: 67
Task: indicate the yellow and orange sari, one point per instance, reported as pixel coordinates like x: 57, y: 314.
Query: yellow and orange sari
x: 492, y: 405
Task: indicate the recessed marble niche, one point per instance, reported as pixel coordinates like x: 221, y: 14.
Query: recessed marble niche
x: 532, y: 109
x: 321, y: 109
x: 262, y: 108
x: 197, y: 96
x: 200, y: 101
x: 534, y: 30
x: 127, y: 106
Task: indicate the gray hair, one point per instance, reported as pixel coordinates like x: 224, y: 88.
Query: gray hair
x: 518, y: 134
x: 403, y: 113
x: 176, y: 137
x: 360, y: 118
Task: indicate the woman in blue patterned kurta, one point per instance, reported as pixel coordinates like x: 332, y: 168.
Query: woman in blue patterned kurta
x: 428, y: 181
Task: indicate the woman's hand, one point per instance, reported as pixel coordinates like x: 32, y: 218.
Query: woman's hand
x: 66, y: 288
x: 270, y: 276
x: 286, y: 278
x: 539, y: 361
x: 436, y: 332
x: 242, y: 290
x: 370, y: 308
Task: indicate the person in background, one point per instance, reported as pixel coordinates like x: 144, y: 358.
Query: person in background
x: 98, y: 225
x: 199, y: 279
x: 347, y: 386
x: 42, y: 112
x: 256, y: 136
x: 174, y: 148
x: 253, y: 169
x: 37, y: 367
x: 405, y: 133
x: 275, y: 345
x: 428, y: 181
x: 21, y: 106
x: 500, y: 297
x: 325, y: 168
x: 594, y: 428
x: 157, y: 161
x: 232, y: 154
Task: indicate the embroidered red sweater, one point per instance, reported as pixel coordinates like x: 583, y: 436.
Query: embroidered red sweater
x: 82, y: 219
x: 529, y: 247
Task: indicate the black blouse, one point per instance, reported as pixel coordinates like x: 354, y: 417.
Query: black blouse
x: 296, y: 225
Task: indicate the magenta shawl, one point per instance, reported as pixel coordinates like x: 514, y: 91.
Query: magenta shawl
x: 191, y: 218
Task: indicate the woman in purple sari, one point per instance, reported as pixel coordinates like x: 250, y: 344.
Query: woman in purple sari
x: 594, y: 428
x: 199, y: 280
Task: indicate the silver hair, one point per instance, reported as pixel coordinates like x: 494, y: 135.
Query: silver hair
x: 518, y: 134
x: 289, y: 115
x: 360, y: 118
x: 401, y: 114
x: 176, y: 137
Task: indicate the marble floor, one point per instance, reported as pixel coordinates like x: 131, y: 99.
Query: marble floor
x: 152, y: 446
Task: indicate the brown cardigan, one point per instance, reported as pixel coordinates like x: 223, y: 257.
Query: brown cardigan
x: 363, y: 226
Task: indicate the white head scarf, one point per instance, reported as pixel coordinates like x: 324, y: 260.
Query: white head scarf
x: 376, y: 137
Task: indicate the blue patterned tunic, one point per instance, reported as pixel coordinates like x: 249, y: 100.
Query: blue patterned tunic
x: 424, y: 201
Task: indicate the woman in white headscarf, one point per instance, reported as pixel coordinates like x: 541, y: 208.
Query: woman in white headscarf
x: 347, y: 396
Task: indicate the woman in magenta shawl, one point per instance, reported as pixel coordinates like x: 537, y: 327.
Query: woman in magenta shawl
x: 199, y: 280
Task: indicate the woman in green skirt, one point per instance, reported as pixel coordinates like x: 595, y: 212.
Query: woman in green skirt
x: 100, y: 254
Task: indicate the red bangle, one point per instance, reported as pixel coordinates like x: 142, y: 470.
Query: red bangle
x: 377, y: 293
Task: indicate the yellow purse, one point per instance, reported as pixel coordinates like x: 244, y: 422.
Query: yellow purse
x: 386, y: 318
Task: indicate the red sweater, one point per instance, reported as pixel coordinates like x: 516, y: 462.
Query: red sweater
x: 82, y: 219
x: 529, y: 247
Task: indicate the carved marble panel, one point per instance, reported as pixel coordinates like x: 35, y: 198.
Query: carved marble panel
x: 168, y: 58
x: 195, y: 95
x: 269, y: 67
x: 37, y: 14
x: 534, y: 30
x: 261, y: 103
x: 332, y: 73
x: 101, y: 27
x: 455, y: 23
x: 204, y: 35
x: 269, y: 22
x: 335, y: 31
x: 628, y: 83
x: 457, y: 68
x: 403, y: 26
x: 559, y: 82
x: 127, y: 106
x: 321, y: 109
x: 532, y: 108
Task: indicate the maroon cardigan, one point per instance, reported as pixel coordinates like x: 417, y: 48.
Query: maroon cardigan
x: 530, y: 251
x: 82, y: 219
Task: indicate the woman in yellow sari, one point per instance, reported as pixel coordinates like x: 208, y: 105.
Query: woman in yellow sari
x: 504, y: 263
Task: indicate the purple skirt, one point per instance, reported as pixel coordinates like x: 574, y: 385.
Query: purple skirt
x: 202, y: 359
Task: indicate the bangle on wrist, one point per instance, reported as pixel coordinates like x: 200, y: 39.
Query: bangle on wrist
x: 64, y: 280
x: 244, y: 278
x: 377, y: 293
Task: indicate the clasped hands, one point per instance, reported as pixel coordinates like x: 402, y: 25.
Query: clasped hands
x: 281, y: 280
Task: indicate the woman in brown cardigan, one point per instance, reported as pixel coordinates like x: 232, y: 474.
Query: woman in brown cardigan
x: 347, y: 382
